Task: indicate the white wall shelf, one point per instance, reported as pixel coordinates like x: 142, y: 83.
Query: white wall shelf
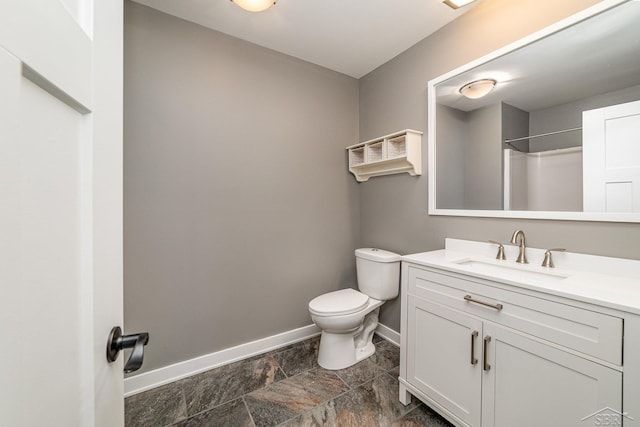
x: 398, y: 152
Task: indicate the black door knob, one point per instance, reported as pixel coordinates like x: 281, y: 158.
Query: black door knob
x: 117, y: 342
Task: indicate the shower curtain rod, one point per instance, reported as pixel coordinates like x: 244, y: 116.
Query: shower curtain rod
x: 514, y: 148
x: 541, y: 134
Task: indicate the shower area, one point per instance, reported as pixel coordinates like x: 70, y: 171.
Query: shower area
x: 592, y: 167
x: 547, y: 180
x: 582, y: 156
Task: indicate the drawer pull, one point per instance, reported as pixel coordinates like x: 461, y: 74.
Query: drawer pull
x: 497, y: 306
x: 485, y: 344
x: 474, y: 361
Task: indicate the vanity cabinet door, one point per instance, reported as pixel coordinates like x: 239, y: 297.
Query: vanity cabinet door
x: 444, y: 359
x: 530, y: 383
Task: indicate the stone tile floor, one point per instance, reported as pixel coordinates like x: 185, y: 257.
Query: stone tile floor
x: 285, y: 387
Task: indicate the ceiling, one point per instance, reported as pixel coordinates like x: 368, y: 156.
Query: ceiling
x: 596, y: 56
x: 352, y: 37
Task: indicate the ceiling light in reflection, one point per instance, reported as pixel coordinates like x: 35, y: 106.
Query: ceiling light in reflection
x: 478, y: 89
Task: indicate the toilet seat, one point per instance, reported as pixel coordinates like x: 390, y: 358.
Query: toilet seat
x: 344, y: 301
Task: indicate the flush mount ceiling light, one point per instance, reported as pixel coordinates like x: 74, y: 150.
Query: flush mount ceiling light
x: 478, y: 88
x: 255, y: 5
x: 455, y: 4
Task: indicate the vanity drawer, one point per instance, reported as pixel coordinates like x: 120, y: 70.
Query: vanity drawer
x: 590, y: 332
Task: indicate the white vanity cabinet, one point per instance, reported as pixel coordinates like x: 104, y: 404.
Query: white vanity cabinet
x: 484, y: 353
x: 442, y: 359
x: 532, y: 383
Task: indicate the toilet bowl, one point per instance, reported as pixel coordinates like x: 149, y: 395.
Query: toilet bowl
x: 349, y: 317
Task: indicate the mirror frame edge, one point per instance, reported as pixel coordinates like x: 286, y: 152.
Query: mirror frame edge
x: 431, y: 134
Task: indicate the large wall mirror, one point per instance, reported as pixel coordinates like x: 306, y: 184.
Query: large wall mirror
x: 556, y: 136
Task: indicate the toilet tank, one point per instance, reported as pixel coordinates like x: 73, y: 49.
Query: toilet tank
x: 378, y: 273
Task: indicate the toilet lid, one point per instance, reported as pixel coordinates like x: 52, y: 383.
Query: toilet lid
x: 344, y: 301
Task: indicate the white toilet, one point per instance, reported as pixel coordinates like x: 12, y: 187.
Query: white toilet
x: 347, y: 317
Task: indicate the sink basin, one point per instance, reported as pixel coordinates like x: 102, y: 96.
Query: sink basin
x: 510, y: 272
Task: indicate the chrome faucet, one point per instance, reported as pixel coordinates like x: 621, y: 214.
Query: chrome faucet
x: 522, y: 258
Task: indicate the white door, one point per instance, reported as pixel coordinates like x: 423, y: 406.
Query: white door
x: 443, y: 357
x: 60, y: 216
x: 554, y: 387
x: 611, y: 156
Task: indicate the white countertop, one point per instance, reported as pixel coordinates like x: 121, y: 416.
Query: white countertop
x: 605, y: 281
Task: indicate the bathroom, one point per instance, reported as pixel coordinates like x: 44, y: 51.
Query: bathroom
x: 278, y: 195
x: 238, y: 206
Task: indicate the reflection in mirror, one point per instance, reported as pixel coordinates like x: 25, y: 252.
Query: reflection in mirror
x: 559, y: 132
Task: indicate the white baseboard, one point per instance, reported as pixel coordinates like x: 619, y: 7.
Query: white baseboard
x: 165, y: 375
x: 161, y: 376
x: 388, y: 334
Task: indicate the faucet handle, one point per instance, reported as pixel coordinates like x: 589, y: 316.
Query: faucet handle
x: 500, y: 254
x: 548, y: 262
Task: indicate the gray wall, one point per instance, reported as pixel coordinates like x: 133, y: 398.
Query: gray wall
x: 483, y: 173
x: 515, y: 124
x: 238, y: 206
x: 470, y: 154
x: 394, y: 96
x: 452, y: 152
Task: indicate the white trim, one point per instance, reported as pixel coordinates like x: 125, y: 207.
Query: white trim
x: 168, y: 374
x: 389, y: 334
x: 161, y: 376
